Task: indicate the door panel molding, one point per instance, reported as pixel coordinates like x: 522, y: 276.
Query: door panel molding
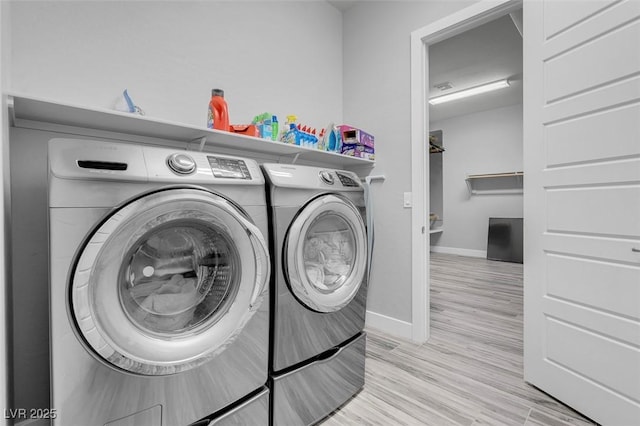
x: 582, y: 205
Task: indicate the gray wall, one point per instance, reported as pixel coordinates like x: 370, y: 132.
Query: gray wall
x: 485, y: 142
x: 377, y: 99
x: 4, y: 210
x: 282, y: 57
x: 169, y: 55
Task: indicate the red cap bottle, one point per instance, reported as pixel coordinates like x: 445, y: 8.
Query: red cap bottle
x: 218, y: 117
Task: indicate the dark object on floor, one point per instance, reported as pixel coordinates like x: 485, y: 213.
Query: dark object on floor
x: 505, y: 239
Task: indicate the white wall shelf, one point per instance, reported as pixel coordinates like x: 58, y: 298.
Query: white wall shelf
x: 436, y: 230
x: 36, y: 113
x: 495, y: 183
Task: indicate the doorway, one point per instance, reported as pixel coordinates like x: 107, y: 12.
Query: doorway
x: 475, y: 141
x: 464, y: 20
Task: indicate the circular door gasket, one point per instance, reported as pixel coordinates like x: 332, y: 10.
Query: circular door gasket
x: 325, y: 253
x: 106, y: 325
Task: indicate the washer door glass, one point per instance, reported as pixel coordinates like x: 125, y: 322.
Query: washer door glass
x: 179, y: 276
x: 326, y: 253
x: 168, y: 281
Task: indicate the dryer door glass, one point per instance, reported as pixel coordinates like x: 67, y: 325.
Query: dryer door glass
x: 329, y: 252
x: 168, y: 281
x: 326, y: 253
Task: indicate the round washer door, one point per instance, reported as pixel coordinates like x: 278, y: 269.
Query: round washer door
x: 326, y: 253
x: 168, y: 281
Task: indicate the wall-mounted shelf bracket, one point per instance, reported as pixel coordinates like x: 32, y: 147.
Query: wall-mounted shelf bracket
x: 369, y: 179
x: 289, y: 159
x: 201, y: 141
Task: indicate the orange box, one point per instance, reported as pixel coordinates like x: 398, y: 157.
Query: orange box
x: 245, y: 129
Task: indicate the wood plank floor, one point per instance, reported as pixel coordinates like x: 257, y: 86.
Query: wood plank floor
x: 470, y: 372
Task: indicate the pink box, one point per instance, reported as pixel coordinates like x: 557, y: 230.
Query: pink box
x: 351, y: 135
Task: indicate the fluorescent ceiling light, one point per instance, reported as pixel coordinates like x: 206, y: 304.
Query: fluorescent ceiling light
x: 470, y: 92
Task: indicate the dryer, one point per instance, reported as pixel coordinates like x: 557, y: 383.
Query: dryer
x: 159, y: 272
x: 319, y: 257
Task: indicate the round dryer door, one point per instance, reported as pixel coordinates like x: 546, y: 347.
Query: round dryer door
x: 168, y: 281
x: 326, y: 253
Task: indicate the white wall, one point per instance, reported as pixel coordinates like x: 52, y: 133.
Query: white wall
x: 485, y: 142
x: 282, y: 57
x: 377, y: 99
x: 169, y: 55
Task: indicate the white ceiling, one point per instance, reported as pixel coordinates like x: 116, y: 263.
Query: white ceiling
x: 490, y: 52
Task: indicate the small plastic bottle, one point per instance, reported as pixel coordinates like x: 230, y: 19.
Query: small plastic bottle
x: 289, y: 134
x: 274, y: 128
x: 333, y: 139
x: 218, y: 117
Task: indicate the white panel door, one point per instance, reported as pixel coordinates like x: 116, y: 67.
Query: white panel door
x: 582, y: 205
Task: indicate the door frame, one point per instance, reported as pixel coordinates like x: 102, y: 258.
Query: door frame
x: 477, y: 14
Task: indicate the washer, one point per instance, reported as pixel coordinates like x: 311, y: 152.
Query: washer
x: 159, y: 272
x: 319, y: 257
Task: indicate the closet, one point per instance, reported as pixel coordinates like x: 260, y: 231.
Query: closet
x: 475, y: 141
x: 436, y: 150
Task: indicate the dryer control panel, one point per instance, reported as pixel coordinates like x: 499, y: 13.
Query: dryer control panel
x: 347, y: 180
x: 307, y: 177
x: 326, y: 177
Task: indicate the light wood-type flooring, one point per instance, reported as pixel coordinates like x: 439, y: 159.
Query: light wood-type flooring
x: 470, y: 372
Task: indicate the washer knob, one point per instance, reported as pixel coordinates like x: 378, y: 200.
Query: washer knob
x: 326, y: 177
x: 181, y: 164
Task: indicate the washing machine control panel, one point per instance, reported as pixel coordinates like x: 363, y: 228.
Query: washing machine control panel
x: 229, y: 168
x: 181, y: 164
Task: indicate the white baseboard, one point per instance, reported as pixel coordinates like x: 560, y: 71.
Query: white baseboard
x: 459, y: 251
x: 389, y: 325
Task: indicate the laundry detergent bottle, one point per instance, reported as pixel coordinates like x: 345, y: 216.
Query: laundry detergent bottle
x: 218, y: 116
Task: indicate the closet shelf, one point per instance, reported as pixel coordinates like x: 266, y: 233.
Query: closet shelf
x: 495, y: 175
x: 495, y: 183
x: 36, y: 113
